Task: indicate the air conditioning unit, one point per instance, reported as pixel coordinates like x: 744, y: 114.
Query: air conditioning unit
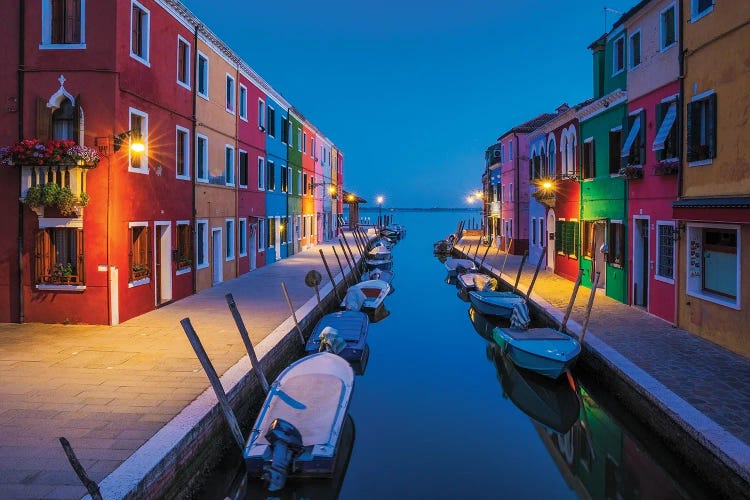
x: 496, y: 153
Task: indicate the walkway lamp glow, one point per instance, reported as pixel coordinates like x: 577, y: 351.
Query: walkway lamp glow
x: 380, y: 200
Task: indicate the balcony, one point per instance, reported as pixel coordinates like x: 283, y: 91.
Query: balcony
x: 71, y: 179
x: 495, y: 209
x: 546, y: 197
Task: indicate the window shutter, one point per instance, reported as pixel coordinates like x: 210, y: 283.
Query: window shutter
x: 79, y: 249
x: 41, y: 255
x: 642, y: 132
x: 73, y: 22
x: 711, y: 125
x: 148, y: 251
x: 623, y: 137
x: 558, y: 235
x: 576, y: 238
x: 77, y: 121
x: 610, y: 243
x: 691, y: 127
x: 130, y: 254
x: 43, y: 120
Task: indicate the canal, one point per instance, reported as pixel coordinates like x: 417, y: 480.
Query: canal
x: 440, y: 413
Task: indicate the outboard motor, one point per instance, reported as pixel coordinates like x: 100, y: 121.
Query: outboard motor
x: 354, y: 299
x: 286, y: 442
x: 331, y: 341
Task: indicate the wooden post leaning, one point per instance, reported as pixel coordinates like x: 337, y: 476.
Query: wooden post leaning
x: 505, y: 259
x: 245, y: 335
x: 354, y: 261
x: 520, y: 268
x: 564, y: 324
x: 213, y: 377
x: 484, y: 257
x: 294, y: 314
x: 350, y: 263
x: 588, y: 307
x: 90, y: 485
x: 330, y: 276
x: 343, y: 274
x: 536, y: 271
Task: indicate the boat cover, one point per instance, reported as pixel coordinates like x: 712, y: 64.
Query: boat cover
x: 519, y: 317
x: 331, y: 340
x: 535, y: 334
x: 354, y: 300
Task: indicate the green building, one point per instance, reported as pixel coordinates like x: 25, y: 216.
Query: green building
x: 603, y: 189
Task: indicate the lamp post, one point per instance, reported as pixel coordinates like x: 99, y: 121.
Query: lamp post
x: 379, y: 199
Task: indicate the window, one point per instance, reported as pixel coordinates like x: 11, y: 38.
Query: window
x: 230, y: 239
x: 201, y: 158
x: 618, y: 58
x: 304, y: 183
x: 510, y: 151
x: 615, y: 145
x: 616, y: 250
x: 668, y: 27
x: 184, y: 247
x: 714, y: 266
x: 201, y: 243
x: 230, y: 94
x: 271, y: 184
x: 139, y: 126
x: 261, y: 234
x: 588, y: 239
x: 700, y: 8
x: 288, y: 228
x: 304, y: 142
x: 242, y: 237
x: 65, y: 25
x: 284, y: 180
x: 271, y: 121
x: 183, y: 62
x: 533, y: 231
x: 229, y: 165
x: 701, y: 128
x: 182, y: 156
x: 541, y: 232
x: 139, y: 32
x: 202, y: 75
x: 510, y: 192
x: 243, y: 102
x: 261, y: 114
x: 299, y: 140
x: 140, y: 252
x: 284, y: 130
x: 299, y: 182
x: 63, y: 121
x: 566, y: 238
x: 587, y: 158
x: 59, y: 256
x: 271, y: 232
x: 634, y: 150
x: 283, y: 226
x: 261, y: 174
x: 665, y: 251
x: 243, y: 168
x: 665, y: 142
x: 635, y: 49
x: 297, y: 227
x: 551, y: 150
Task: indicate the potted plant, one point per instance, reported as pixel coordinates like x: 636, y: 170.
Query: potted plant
x: 33, y: 152
x: 631, y: 171
x: 667, y: 167
x: 140, y: 271
x: 52, y: 195
x: 61, y: 273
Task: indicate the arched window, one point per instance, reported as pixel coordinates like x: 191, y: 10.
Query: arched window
x: 64, y: 121
x: 551, y: 160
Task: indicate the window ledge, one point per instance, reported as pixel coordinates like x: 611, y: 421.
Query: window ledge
x: 184, y: 85
x: 184, y: 177
x: 143, y: 171
x: 243, y: 254
x: 62, y: 46
x: 202, y: 266
x: 702, y: 14
x: 180, y: 272
x: 140, y: 60
x: 669, y: 281
x: 664, y: 49
x: 700, y: 163
x: 144, y: 281
x: 229, y: 259
x: 198, y: 179
x: 203, y: 96
x: 62, y: 288
x: 716, y: 299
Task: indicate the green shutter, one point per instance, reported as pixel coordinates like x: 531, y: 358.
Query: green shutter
x: 576, y: 239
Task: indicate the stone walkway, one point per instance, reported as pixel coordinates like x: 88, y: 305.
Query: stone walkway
x: 708, y: 377
x: 110, y: 389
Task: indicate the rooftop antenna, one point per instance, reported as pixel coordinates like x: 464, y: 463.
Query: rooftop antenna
x: 607, y: 9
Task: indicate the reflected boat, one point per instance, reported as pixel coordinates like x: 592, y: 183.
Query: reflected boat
x: 552, y: 403
x: 484, y: 324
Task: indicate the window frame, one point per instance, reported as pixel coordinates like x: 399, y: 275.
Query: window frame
x: 47, y: 43
x: 261, y: 115
x: 43, y: 269
x: 706, y: 98
x: 229, y: 167
x: 690, y: 281
x: 242, y: 104
x: 204, y: 159
x: 230, y: 101
x: 143, y: 169
x: 261, y: 173
x: 146, y: 35
x: 190, y: 252
x: 185, y: 153
x: 615, y: 42
x: 199, y: 82
x: 229, y: 239
x: 204, y: 224
x: 695, y: 14
x: 185, y: 84
x: 271, y: 121
x: 631, y: 53
x: 660, y: 113
x: 270, y: 175
x: 261, y: 241
x: 243, y: 168
x: 662, y: 25
x: 657, y: 276
x: 614, y: 159
x: 242, y: 237
x: 149, y: 252
x: 623, y: 243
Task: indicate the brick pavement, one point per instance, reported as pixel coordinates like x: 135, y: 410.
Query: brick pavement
x: 110, y: 389
x: 708, y: 377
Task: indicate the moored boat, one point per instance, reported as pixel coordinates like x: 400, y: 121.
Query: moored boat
x: 379, y: 274
x: 452, y: 265
x: 374, y: 292
x: 495, y: 303
x: 476, y: 281
x: 298, y: 429
x: 343, y: 333
x: 546, y: 351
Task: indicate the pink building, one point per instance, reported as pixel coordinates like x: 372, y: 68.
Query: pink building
x: 650, y: 154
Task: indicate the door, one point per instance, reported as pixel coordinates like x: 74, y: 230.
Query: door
x: 278, y: 238
x: 551, y: 240
x: 640, y: 261
x: 600, y: 259
x: 114, y: 296
x: 217, y: 256
x: 163, y: 264
x: 252, y: 247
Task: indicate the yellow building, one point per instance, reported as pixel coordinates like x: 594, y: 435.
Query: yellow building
x: 713, y: 208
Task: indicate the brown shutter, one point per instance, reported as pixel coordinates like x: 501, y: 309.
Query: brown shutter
x: 41, y: 255
x: 77, y: 121
x: 130, y: 253
x: 711, y: 125
x: 79, y: 262
x: 72, y: 21
x: 57, y: 20
x: 149, y: 251
x: 43, y: 120
x: 691, y: 126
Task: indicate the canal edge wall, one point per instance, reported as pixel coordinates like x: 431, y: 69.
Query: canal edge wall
x: 720, y: 459
x: 174, y: 462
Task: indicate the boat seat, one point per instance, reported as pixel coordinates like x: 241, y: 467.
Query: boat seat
x: 371, y: 293
x: 310, y: 403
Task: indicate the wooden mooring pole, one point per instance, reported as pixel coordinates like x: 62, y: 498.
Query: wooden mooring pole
x: 484, y: 257
x: 536, y: 271
x: 213, y: 377
x: 507, y: 252
x: 90, y: 485
x: 330, y: 276
x: 349, y: 263
x: 589, y: 306
x: 354, y: 261
x: 520, y: 268
x: 294, y: 314
x: 343, y: 274
x: 246, y: 340
x: 564, y: 324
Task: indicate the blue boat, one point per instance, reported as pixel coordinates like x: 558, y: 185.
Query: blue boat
x: 347, y: 326
x: 495, y: 303
x: 545, y: 351
x: 452, y: 265
x: 298, y: 430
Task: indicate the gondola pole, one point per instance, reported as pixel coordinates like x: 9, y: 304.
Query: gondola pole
x: 520, y: 268
x: 588, y: 307
x: 564, y: 324
x: 294, y: 314
x: 213, y: 377
x: 536, y: 271
x: 245, y: 335
x: 330, y: 276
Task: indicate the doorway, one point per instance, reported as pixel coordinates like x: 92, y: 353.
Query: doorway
x: 640, y: 261
x: 163, y: 262
x: 600, y: 259
x: 218, y: 264
x: 252, y: 248
x: 278, y: 238
x: 551, y: 240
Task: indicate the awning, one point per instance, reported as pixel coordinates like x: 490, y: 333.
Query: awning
x: 729, y: 210
x: 666, y: 126
x: 631, y: 137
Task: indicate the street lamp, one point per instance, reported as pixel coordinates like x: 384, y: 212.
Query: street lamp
x: 379, y: 200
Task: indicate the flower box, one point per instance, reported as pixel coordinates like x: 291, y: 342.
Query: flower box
x: 667, y: 167
x: 31, y: 152
x: 631, y: 172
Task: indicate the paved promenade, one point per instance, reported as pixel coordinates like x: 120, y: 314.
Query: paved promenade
x: 110, y: 389
x: 703, y: 384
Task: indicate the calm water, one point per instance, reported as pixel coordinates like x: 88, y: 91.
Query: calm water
x: 438, y: 411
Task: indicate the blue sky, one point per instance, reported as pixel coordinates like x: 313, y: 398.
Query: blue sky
x: 414, y: 91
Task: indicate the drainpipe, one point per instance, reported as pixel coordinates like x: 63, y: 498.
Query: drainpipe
x: 288, y: 146
x: 237, y: 180
x: 21, y: 69
x: 681, y: 129
x: 193, y: 149
x: 517, y: 189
